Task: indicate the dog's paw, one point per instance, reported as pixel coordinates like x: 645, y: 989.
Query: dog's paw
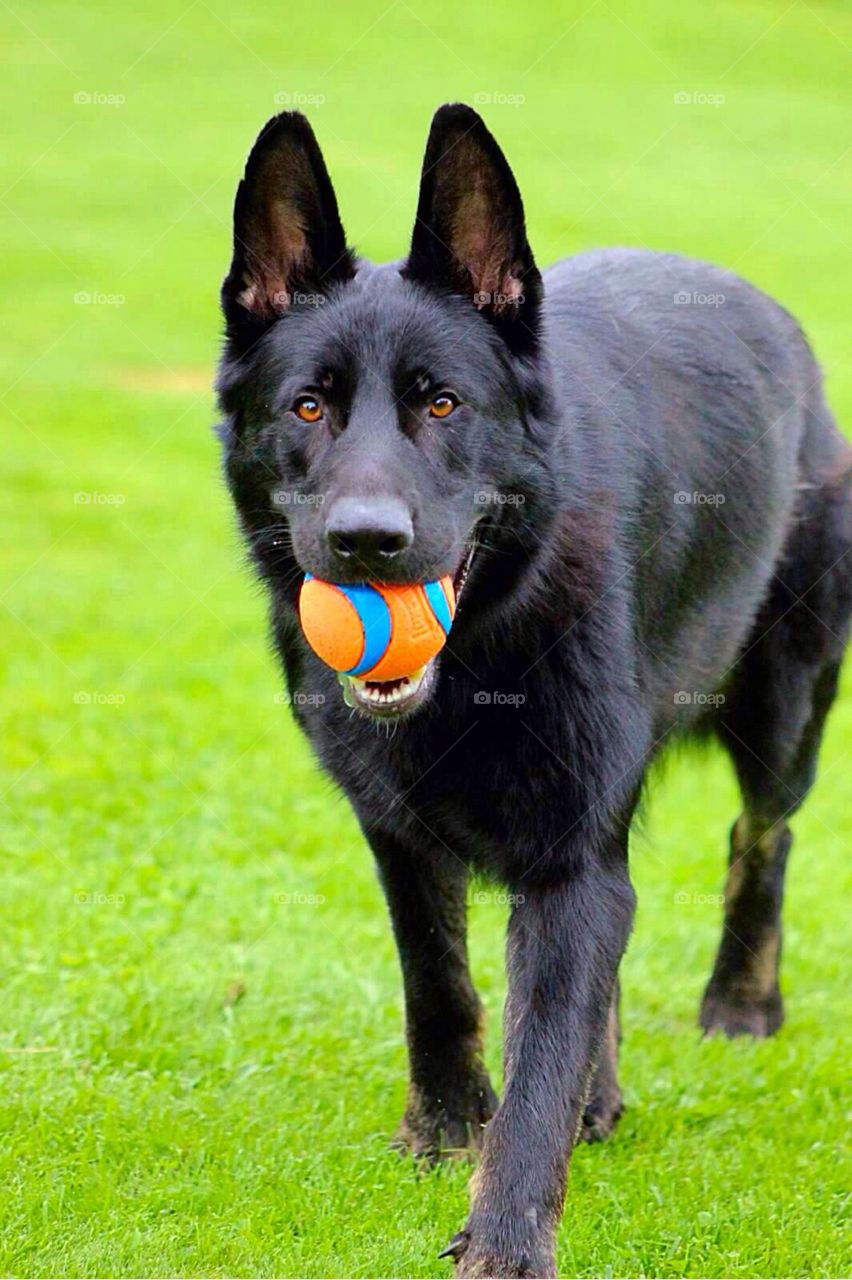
x: 601, y: 1115
x: 445, y: 1138
x: 433, y: 1130
x: 475, y: 1257
x: 730, y: 1016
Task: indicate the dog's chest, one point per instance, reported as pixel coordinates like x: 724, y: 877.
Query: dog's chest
x: 489, y: 790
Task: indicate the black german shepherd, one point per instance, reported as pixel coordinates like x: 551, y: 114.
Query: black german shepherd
x: 628, y: 467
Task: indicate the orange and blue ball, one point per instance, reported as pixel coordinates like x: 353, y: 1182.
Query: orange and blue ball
x: 375, y: 631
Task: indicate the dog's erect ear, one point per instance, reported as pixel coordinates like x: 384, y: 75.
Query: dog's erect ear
x: 470, y: 237
x: 288, y: 239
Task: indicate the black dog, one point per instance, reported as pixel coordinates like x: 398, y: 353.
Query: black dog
x: 630, y: 470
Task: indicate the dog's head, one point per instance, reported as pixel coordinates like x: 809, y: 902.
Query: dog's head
x: 380, y: 422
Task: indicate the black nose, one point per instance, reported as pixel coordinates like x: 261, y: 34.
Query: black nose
x: 369, y: 531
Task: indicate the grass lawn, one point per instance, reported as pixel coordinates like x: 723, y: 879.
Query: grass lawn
x: 201, y: 1056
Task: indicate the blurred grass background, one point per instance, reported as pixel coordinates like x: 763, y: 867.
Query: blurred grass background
x: 201, y: 1056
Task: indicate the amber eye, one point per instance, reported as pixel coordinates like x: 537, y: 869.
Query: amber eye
x: 442, y: 406
x: 308, y: 409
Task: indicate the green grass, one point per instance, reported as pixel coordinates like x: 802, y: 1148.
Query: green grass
x: 154, y: 1124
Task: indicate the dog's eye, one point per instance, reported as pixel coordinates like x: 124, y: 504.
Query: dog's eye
x: 308, y: 409
x: 443, y: 405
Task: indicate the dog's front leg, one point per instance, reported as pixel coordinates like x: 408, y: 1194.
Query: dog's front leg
x: 450, y: 1098
x: 564, y: 945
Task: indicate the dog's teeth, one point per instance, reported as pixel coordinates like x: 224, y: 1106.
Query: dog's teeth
x: 378, y: 695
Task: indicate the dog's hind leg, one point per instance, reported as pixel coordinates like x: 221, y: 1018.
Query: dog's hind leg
x: 605, y: 1104
x: 772, y: 724
x: 450, y: 1098
x: 743, y: 997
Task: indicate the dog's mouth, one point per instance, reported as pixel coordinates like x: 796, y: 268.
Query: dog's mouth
x: 393, y: 699
x: 388, y: 699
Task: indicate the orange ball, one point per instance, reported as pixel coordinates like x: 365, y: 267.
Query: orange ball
x: 373, y: 631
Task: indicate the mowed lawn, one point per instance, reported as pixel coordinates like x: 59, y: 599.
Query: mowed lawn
x: 201, y: 1055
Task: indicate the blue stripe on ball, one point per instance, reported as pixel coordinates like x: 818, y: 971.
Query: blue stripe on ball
x: 375, y: 623
x: 438, y: 600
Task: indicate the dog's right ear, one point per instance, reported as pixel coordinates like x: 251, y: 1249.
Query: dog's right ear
x: 288, y: 238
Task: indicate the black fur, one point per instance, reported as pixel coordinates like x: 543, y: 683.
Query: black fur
x: 603, y: 614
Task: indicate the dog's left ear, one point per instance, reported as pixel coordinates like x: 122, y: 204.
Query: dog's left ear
x: 470, y: 237
x: 288, y: 238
